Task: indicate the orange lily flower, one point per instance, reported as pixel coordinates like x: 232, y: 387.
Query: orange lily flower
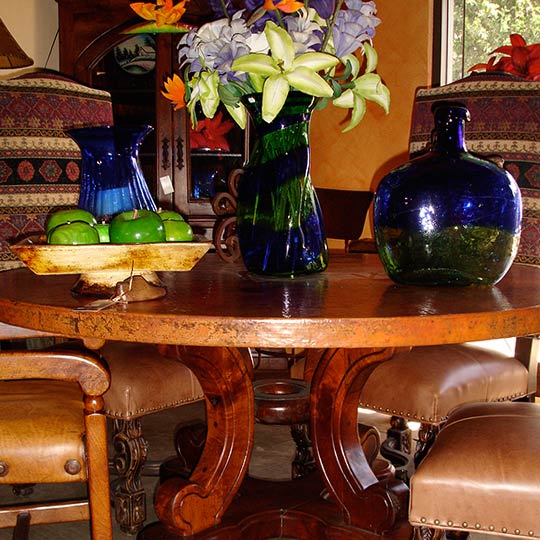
x: 520, y: 59
x: 287, y: 6
x: 175, y: 91
x: 163, y: 11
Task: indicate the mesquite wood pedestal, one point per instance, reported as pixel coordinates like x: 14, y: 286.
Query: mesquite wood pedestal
x: 349, y: 317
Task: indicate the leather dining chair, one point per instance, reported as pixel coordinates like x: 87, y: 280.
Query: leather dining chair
x: 473, y: 480
x: 39, y: 172
x: 344, y: 213
x: 53, y: 430
x: 435, y: 379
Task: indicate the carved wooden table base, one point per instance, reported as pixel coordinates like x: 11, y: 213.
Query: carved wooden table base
x: 218, y: 502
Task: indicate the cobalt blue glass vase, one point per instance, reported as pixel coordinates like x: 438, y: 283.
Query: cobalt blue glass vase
x: 279, y: 222
x: 111, y: 177
x: 447, y: 217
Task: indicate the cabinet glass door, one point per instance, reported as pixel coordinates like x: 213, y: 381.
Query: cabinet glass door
x: 216, y: 148
x: 128, y: 72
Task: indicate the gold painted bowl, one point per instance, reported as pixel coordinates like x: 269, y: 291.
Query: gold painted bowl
x: 103, y: 266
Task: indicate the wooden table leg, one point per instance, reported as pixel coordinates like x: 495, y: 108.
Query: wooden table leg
x: 365, y: 502
x: 186, y: 507
x: 359, y: 507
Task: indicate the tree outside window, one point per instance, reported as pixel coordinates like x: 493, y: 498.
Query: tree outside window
x: 480, y: 26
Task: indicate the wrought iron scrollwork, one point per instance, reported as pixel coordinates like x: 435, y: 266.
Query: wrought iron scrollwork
x: 224, y: 206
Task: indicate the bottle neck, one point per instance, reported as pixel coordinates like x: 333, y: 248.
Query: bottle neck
x: 449, y: 132
x: 450, y: 137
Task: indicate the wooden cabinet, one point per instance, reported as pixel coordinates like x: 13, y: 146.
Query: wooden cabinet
x: 95, y: 51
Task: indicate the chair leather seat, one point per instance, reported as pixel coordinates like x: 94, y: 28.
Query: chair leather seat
x: 144, y: 381
x: 425, y: 383
x: 25, y: 444
x: 483, y: 472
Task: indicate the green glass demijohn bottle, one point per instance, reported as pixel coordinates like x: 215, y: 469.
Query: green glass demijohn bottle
x: 447, y: 217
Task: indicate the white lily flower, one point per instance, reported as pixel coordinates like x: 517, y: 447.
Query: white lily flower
x: 238, y: 114
x: 367, y: 87
x: 372, y: 88
x: 258, y: 43
x: 372, y: 58
x: 285, y: 71
x: 204, y: 89
x: 275, y: 92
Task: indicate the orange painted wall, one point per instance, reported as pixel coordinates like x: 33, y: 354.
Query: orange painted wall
x: 359, y: 159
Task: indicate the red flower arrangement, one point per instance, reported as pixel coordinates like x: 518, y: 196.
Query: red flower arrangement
x: 518, y: 59
x: 210, y: 133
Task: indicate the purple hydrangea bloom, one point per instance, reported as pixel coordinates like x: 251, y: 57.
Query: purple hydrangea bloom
x: 217, y: 8
x: 307, y: 35
x: 219, y: 43
x: 252, y: 5
x: 367, y: 8
x: 324, y: 8
x: 353, y: 26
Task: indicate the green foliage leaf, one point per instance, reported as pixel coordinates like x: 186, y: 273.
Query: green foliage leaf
x: 336, y: 87
x: 482, y: 35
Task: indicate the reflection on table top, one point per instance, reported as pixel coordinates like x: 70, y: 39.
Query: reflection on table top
x: 352, y: 304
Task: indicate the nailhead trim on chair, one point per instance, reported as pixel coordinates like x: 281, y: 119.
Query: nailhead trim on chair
x: 143, y: 411
x: 437, y: 523
x: 411, y: 416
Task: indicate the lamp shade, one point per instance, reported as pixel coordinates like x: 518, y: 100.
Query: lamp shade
x: 11, y: 55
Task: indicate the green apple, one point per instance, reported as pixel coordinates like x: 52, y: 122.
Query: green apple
x: 67, y: 216
x: 178, y: 231
x: 103, y: 232
x: 137, y: 227
x: 73, y: 233
x: 171, y: 215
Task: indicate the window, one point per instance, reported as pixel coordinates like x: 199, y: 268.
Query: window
x: 472, y: 29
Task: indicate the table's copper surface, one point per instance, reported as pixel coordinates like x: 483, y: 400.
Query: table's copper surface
x: 349, y: 317
x: 352, y: 304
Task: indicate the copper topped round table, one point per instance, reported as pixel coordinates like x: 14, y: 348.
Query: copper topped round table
x: 351, y: 314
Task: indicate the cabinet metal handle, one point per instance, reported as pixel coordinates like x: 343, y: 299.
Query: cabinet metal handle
x: 179, y: 153
x: 165, y: 154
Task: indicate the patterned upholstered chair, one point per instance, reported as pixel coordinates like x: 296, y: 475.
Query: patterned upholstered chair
x: 505, y: 122
x: 39, y: 164
x: 40, y: 171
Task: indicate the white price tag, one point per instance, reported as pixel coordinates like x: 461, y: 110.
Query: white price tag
x: 166, y: 184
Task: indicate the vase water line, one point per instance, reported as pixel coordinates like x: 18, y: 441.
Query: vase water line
x: 111, y: 177
x: 279, y: 222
